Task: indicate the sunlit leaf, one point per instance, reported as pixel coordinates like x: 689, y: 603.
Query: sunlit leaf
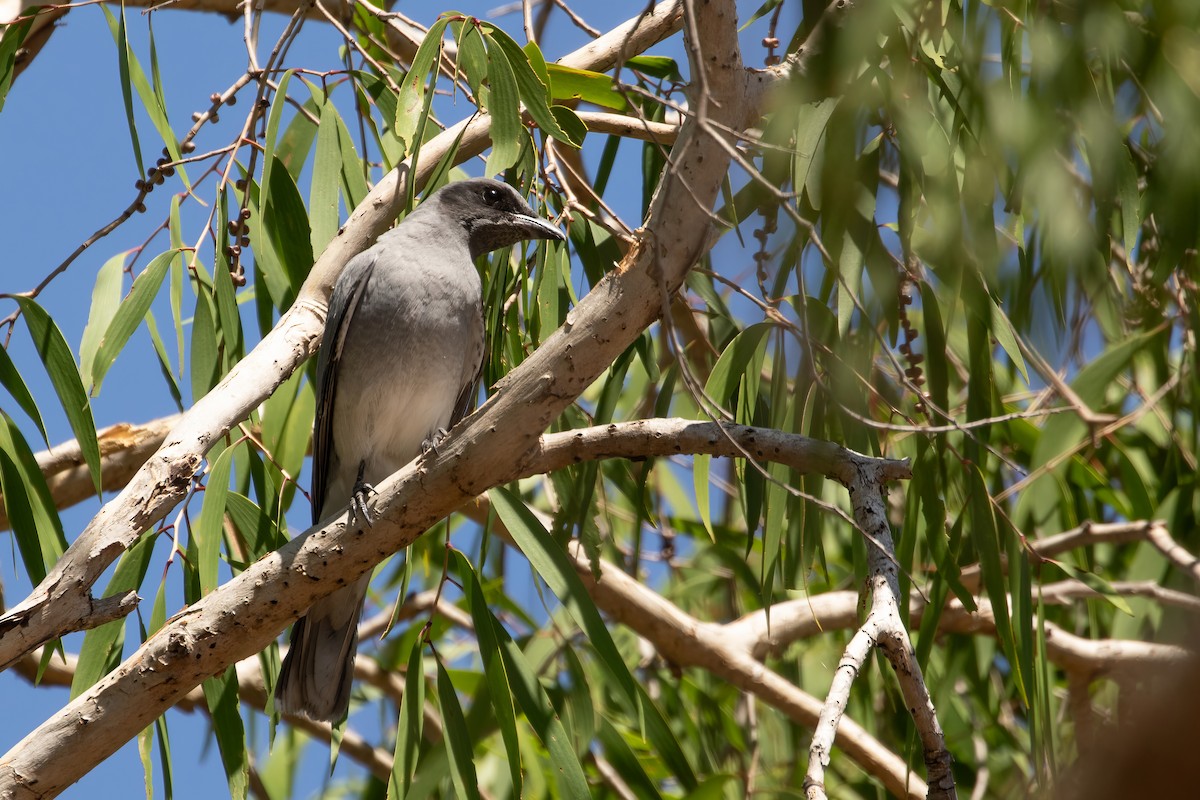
x: 129, y: 315
x: 64, y: 376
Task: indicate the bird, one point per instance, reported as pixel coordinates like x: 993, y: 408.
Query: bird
x: 399, y: 364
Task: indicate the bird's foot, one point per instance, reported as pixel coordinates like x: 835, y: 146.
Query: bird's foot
x: 433, y: 442
x: 358, y: 498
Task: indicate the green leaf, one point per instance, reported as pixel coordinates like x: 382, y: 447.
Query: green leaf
x: 287, y: 425
x: 1131, y: 205
x: 935, y: 347
x: 533, y: 90
x: 568, y: 83
x: 812, y: 120
x: 409, y: 726
x: 411, y: 103
x: 503, y: 103
x: 285, y: 221
x: 145, y: 741
x: 221, y: 696
x: 64, y: 376
x: 326, y: 171
x: 117, y: 28
x: 661, y: 67
x: 209, y: 528
x: 206, y: 353
x: 1007, y: 338
x: 532, y: 698
x: 164, y: 756
x: 986, y: 537
x: 10, y: 45
x: 11, y: 380
x: 155, y: 101
x: 261, y: 533
x: 553, y: 565
x: 458, y: 738
x: 626, y: 762
x: 472, y: 57
x: 31, y: 513
x: 493, y: 665
x: 701, y: 463
x: 106, y: 298
x: 129, y: 315
x: 228, y: 319
x: 570, y: 122
x: 101, y: 650
x: 175, y: 290
x: 164, y: 361
x: 354, y: 181
x: 273, y: 119
x: 726, y: 376
x: 1096, y: 583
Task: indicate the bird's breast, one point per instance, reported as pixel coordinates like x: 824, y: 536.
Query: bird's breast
x: 412, y: 346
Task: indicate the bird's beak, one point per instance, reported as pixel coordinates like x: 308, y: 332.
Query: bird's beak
x: 537, y: 228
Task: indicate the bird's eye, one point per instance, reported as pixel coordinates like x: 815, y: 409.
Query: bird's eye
x: 492, y: 196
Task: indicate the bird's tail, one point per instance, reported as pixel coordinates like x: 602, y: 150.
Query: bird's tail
x: 318, y: 669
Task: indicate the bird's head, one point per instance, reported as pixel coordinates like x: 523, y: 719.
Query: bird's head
x: 493, y: 214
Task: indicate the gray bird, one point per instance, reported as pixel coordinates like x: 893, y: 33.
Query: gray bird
x: 399, y: 364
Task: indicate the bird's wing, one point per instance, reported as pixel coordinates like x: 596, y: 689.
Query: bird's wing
x: 467, y: 398
x: 347, y: 294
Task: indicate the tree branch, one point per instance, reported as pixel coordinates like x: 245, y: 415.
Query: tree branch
x: 884, y: 627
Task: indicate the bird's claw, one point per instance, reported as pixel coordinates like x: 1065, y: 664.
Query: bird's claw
x: 433, y: 442
x: 358, y: 499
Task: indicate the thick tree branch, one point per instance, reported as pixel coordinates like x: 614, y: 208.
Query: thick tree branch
x: 403, y: 36
x: 124, y: 448
x: 60, y: 672
x: 796, y: 620
x: 668, y: 437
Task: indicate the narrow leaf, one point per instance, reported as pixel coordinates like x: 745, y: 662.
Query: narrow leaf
x: 11, y: 380
x: 10, y: 44
x: 532, y: 698
x: 555, y: 568
x: 106, y: 298
x: 458, y: 738
x: 117, y: 28
x: 411, y: 102
x: 568, y: 83
x: 130, y: 314
x: 208, y: 529
x: 409, y: 727
x: 221, y: 696
x: 533, y: 89
x: 326, y: 170
x: 494, y: 667
x: 503, y: 103
x: 64, y: 376
x: 101, y: 649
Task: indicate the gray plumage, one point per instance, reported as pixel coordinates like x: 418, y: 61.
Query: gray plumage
x: 399, y: 364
